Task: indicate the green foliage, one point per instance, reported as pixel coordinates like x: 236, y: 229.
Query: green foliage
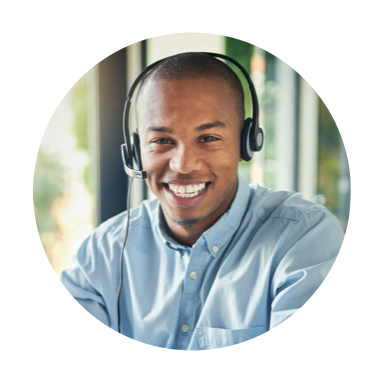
x: 79, y: 100
x: 79, y: 106
x: 328, y: 158
x: 48, y: 184
x: 328, y: 132
x: 50, y: 178
x: 240, y: 51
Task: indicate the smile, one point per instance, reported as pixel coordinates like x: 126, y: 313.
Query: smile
x: 187, y: 191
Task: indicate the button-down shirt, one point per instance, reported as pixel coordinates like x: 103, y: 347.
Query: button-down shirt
x: 259, y: 263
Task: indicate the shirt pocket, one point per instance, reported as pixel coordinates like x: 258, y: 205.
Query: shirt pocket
x: 210, y: 338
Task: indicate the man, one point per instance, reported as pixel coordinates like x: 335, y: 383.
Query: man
x: 212, y: 261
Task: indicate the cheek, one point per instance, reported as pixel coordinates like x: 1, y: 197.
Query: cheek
x: 152, y: 178
x: 155, y: 166
x: 226, y: 159
x: 224, y: 172
x: 149, y: 160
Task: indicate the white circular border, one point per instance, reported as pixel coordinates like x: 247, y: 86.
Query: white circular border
x: 48, y: 47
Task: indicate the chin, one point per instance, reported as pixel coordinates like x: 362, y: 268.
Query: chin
x: 185, y: 222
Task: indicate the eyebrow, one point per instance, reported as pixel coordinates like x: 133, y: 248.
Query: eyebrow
x: 200, y: 128
x: 215, y: 124
x: 159, y: 129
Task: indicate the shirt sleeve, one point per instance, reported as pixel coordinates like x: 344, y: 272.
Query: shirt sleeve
x: 308, y: 251
x: 81, y: 281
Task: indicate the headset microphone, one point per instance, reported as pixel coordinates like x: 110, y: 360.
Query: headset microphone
x: 136, y: 155
x: 130, y: 150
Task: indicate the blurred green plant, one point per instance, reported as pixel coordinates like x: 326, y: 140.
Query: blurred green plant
x: 48, y: 185
x: 50, y: 178
x: 79, y: 105
x: 328, y: 158
x: 62, y: 179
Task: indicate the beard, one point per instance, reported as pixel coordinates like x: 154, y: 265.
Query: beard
x: 185, y: 222
x: 182, y: 222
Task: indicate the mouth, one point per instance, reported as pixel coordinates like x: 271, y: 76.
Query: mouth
x: 187, y: 191
x: 186, y: 194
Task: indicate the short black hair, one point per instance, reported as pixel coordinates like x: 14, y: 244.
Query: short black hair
x: 197, y: 64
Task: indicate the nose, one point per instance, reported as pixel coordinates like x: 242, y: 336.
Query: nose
x: 185, y: 159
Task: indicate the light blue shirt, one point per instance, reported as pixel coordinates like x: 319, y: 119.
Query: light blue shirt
x: 259, y: 263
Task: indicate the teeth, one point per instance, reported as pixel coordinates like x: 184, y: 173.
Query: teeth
x: 190, y: 190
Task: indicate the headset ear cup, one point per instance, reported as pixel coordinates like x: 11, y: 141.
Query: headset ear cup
x: 124, y: 155
x: 259, y: 139
x: 135, y: 140
x: 245, y: 149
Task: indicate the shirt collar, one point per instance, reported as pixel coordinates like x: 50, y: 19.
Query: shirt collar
x: 165, y: 232
x: 219, y: 235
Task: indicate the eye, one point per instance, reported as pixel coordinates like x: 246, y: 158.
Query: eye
x: 162, y: 140
x: 207, y: 139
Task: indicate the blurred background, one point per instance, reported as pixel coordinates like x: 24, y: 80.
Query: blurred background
x: 79, y: 180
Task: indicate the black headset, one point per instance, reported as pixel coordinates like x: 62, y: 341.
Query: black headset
x: 252, y: 136
x: 252, y: 139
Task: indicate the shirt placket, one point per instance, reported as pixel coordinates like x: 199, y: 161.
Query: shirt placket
x: 198, y: 262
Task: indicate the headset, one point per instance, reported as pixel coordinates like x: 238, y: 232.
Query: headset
x: 252, y: 140
x: 252, y: 136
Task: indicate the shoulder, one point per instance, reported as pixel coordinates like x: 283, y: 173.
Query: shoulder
x: 287, y: 217
x: 285, y: 205
x: 143, y: 216
x: 295, y: 229
x: 104, y: 244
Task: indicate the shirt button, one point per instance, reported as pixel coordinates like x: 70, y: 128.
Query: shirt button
x: 215, y: 248
x: 185, y: 328
x: 173, y: 246
x: 193, y: 275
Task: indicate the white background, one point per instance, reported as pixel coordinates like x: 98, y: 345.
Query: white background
x: 336, y: 337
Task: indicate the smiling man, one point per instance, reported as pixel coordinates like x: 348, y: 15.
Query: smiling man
x: 212, y: 261
x: 190, y: 144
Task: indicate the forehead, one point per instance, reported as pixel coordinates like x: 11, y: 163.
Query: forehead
x: 188, y: 96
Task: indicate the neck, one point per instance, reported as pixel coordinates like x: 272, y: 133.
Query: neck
x: 186, y: 235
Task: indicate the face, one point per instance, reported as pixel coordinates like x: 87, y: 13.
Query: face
x: 190, y: 145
